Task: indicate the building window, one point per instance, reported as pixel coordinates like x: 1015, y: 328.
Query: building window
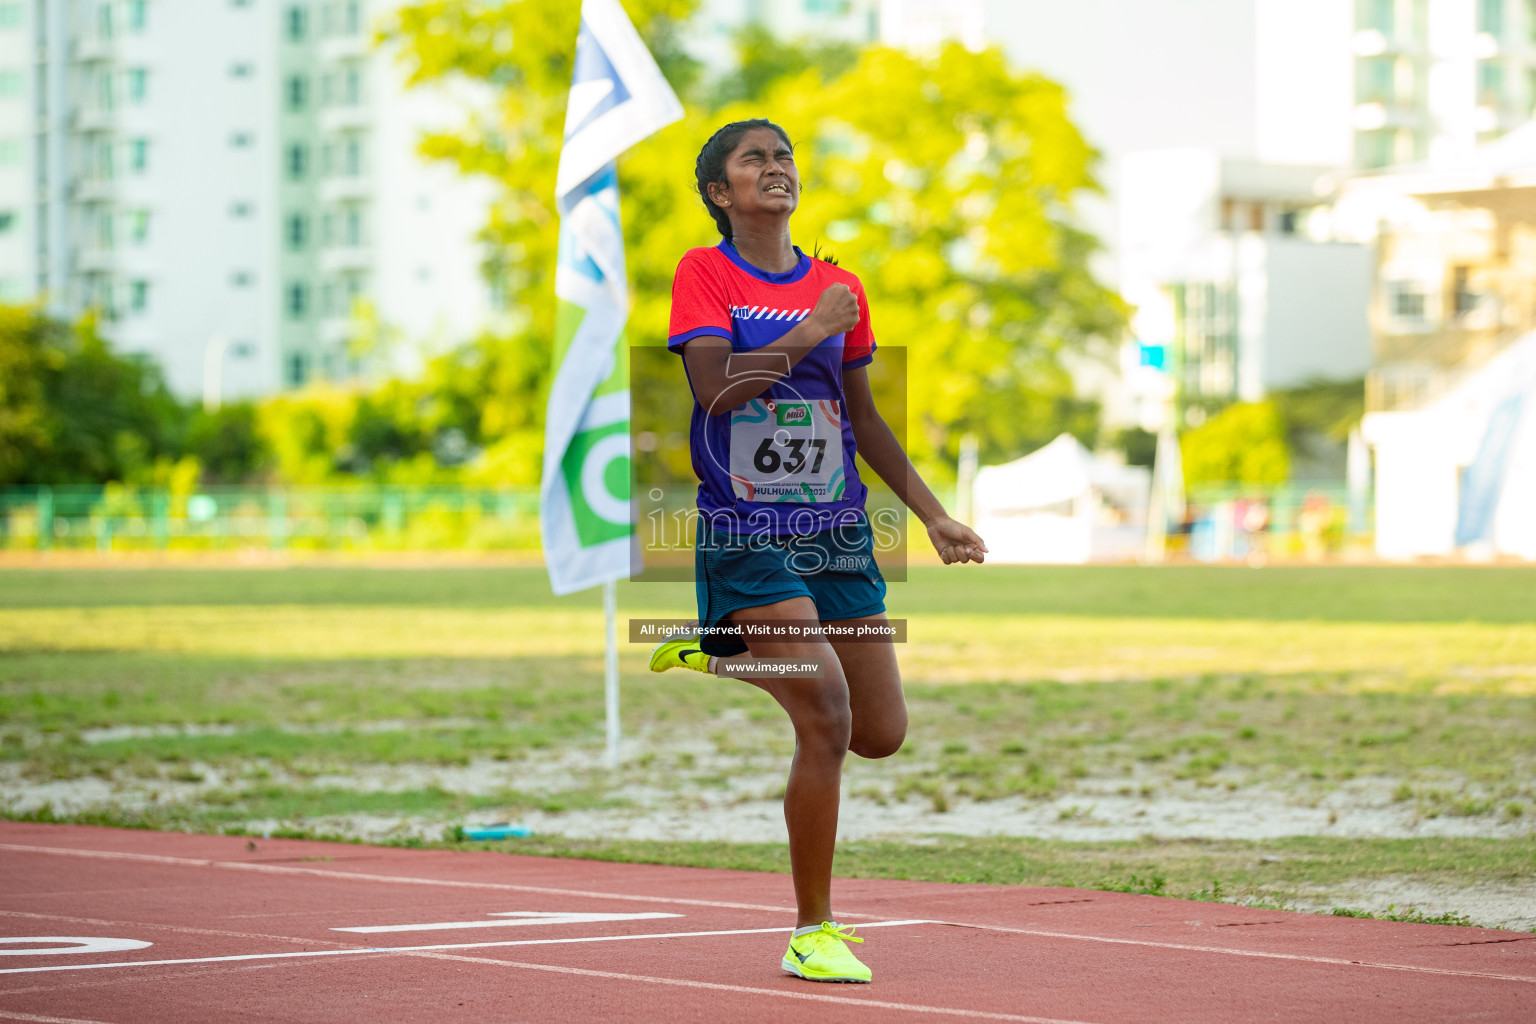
x: 354, y: 227
x: 7, y: 221
x: 1377, y: 14
x: 297, y: 230
x: 138, y: 15
x: 138, y: 296
x: 1205, y: 333
x: 104, y: 24
x: 1375, y: 80
x: 298, y: 160
x: 1375, y: 148
x: 1490, y: 17
x: 354, y: 156
x: 297, y: 92
x: 1408, y: 302
x: 296, y: 367
x: 1490, y: 83
x: 354, y: 18
x: 138, y: 226
x: 10, y: 15
x: 138, y: 155
x: 137, y: 85
x: 1464, y: 300
x: 354, y: 93
x: 298, y: 300
x: 297, y: 24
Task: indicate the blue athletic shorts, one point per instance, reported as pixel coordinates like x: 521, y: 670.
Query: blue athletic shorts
x: 835, y: 568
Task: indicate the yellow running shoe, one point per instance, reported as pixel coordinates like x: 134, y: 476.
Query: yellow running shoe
x: 823, y: 955
x: 680, y: 650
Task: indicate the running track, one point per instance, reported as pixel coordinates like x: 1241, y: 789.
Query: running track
x: 207, y: 928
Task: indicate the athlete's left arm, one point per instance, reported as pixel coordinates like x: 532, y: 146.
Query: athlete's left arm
x: 953, y: 540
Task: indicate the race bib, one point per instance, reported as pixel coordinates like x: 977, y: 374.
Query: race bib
x: 787, y: 451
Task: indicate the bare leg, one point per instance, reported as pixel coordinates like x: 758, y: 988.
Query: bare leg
x: 820, y: 713
x: 874, y: 692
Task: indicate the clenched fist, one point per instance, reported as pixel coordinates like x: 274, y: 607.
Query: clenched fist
x: 836, y: 312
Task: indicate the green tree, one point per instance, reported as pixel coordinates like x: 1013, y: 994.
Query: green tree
x: 1243, y: 444
x: 947, y: 184
x: 226, y: 443
x: 72, y: 410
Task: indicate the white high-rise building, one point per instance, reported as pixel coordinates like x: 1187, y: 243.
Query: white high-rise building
x: 1248, y: 113
x: 916, y: 25
x: 227, y: 182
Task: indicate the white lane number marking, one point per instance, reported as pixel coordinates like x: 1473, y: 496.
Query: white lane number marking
x: 61, y: 944
x: 505, y: 920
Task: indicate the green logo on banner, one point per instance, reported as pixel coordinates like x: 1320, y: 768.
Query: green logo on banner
x: 596, y: 471
x: 793, y: 414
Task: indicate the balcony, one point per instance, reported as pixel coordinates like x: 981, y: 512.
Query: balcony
x: 345, y: 117
x: 94, y: 259
x: 344, y: 47
x: 337, y: 258
x: 92, y: 119
x: 92, y: 190
x: 336, y: 330
x: 90, y: 49
x: 342, y: 189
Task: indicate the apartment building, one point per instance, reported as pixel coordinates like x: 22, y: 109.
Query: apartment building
x: 228, y: 184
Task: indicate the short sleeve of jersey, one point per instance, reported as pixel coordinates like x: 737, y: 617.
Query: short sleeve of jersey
x: 859, y: 344
x: 699, y: 304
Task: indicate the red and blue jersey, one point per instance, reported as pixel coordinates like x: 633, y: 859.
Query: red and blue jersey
x: 783, y: 462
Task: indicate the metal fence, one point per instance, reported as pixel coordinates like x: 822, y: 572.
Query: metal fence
x: 1228, y: 523
x: 122, y: 518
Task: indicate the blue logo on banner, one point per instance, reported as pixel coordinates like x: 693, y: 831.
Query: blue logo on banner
x: 1483, y: 481
x: 593, y: 66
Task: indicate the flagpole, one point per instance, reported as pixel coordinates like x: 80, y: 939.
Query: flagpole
x: 611, y: 668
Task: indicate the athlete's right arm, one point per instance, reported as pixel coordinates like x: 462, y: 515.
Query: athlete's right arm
x: 723, y: 380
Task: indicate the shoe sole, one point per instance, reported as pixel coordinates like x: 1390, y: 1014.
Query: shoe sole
x: 794, y: 969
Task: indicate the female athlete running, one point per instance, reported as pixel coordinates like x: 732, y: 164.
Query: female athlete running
x: 775, y: 345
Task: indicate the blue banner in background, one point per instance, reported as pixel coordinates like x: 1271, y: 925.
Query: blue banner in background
x: 1483, y: 482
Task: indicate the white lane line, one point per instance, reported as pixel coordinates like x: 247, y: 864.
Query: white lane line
x: 403, y: 880
x: 35, y: 1019
x: 415, y: 949
x: 1528, y: 979
x: 285, y: 869
x: 948, y: 1011
x: 177, y: 928
x: 519, y: 918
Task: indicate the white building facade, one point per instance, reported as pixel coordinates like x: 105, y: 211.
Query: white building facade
x: 1225, y: 126
x: 227, y: 182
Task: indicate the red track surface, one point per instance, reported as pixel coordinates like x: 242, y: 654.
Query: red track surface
x: 248, y: 934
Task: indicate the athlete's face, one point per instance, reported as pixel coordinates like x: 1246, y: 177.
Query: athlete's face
x: 760, y: 176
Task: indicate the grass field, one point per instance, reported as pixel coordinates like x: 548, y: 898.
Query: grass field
x: 1350, y: 737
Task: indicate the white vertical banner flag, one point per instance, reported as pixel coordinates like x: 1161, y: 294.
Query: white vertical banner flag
x: 618, y: 97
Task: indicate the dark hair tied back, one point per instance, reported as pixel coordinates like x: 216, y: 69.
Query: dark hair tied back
x: 710, y: 167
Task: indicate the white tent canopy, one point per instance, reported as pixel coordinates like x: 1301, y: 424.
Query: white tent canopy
x: 1460, y: 474
x: 1062, y: 504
